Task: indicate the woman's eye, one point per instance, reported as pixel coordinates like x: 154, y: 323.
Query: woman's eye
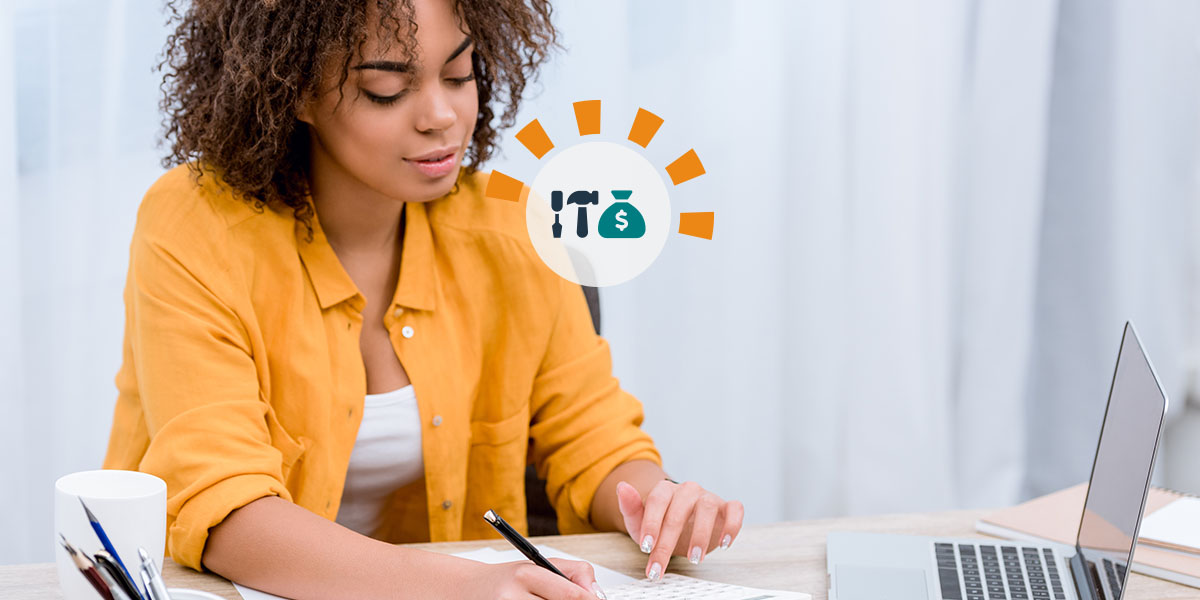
x: 457, y: 81
x: 384, y: 100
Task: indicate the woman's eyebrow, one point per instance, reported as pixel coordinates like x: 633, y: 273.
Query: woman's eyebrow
x: 384, y: 65
x: 459, y: 50
x: 403, y: 67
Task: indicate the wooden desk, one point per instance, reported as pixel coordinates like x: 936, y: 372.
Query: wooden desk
x: 786, y: 556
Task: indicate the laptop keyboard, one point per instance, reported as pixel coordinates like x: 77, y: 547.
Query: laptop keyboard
x: 987, y: 572
x: 1115, y: 572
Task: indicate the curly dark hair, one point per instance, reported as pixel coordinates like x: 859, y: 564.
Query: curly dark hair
x: 236, y: 71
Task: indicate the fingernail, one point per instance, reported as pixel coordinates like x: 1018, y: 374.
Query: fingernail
x: 655, y: 572
x: 725, y: 541
x: 598, y: 592
x: 695, y: 557
x: 647, y: 544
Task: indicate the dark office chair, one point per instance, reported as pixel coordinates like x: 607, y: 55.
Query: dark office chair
x: 538, y: 510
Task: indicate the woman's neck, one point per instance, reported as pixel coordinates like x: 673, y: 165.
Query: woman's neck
x: 354, y: 217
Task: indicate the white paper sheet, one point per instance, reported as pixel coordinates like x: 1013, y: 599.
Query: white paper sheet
x: 615, y: 585
x: 621, y: 587
x: 253, y: 594
x: 605, y: 577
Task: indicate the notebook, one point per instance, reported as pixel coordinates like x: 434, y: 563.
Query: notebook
x: 616, y: 586
x: 1055, y: 518
x: 1175, y: 526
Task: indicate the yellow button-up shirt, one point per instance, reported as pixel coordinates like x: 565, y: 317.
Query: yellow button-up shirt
x: 242, y: 375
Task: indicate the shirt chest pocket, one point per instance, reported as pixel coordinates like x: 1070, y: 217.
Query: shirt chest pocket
x: 498, y: 454
x: 504, y: 431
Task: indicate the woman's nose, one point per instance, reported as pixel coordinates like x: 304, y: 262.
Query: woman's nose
x: 436, y: 112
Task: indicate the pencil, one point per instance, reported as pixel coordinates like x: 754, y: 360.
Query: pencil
x: 86, y: 567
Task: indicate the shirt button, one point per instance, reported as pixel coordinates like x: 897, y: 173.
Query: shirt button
x: 447, y: 504
x: 407, y: 331
x: 437, y: 420
x: 398, y: 312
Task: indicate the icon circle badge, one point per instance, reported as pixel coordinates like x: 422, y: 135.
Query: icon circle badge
x: 598, y: 213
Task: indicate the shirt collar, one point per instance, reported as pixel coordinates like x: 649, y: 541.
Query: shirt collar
x: 418, y: 283
x: 331, y: 282
x: 418, y: 272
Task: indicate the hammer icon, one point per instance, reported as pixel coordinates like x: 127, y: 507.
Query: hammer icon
x: 583, y: 199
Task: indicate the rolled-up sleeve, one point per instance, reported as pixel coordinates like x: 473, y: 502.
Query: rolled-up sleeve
x: 583, y: 424
x: 209, y: 426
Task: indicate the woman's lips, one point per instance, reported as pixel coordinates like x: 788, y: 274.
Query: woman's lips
x: 438, y: 165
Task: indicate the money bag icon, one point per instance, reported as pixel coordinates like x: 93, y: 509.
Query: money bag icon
x: 621, y: 219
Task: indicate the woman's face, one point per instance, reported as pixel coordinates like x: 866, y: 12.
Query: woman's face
x: 403, y: 125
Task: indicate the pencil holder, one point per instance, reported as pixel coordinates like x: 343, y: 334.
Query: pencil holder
x: 130, y: 506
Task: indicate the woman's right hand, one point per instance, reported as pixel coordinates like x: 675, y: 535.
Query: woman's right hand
x: 524, y: 580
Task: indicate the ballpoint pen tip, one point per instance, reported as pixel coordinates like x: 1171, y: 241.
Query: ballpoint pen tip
x: 490, y: 516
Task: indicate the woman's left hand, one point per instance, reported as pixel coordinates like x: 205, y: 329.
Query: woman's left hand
x: 681, y: 519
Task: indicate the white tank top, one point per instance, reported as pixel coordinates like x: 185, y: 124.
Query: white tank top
x: 387, y: 455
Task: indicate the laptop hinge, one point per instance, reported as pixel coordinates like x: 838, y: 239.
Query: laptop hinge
x: 1085, y: 586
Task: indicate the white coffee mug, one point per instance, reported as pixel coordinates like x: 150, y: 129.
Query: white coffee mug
x: 130, y: 506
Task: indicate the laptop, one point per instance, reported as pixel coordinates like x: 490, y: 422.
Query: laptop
x: 867, y: 566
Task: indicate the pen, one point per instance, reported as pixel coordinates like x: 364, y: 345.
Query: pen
x: 118, y: 592
x: 516, y: 539
x: 124, y: 584
x: 155, y: 588
x: 529, y: 550
x: 150, y: 591
x: 137, y: 595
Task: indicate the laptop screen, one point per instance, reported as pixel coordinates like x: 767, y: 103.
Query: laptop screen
x: 1121, y: 471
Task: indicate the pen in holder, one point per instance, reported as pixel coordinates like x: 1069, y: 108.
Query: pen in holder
x: 151, y: 577
x: 105, y: 561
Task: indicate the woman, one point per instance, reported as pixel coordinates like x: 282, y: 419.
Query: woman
x: 334, y: 343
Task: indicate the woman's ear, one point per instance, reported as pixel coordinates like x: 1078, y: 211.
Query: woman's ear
x: 304, y: 111
x: 305, y: 108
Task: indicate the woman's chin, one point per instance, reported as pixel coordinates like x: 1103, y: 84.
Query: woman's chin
x: 428, y: 190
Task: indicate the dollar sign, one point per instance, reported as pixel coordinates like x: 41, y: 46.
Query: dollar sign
x: 620, y: 218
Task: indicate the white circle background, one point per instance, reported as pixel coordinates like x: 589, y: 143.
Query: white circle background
x: 601, y: 167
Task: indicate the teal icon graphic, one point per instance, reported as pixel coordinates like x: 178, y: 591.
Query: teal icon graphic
x: 621, y: 219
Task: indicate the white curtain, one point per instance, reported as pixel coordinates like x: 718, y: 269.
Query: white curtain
x: 933, y: 217
x: 78, y: 120
x: 12, y: 438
